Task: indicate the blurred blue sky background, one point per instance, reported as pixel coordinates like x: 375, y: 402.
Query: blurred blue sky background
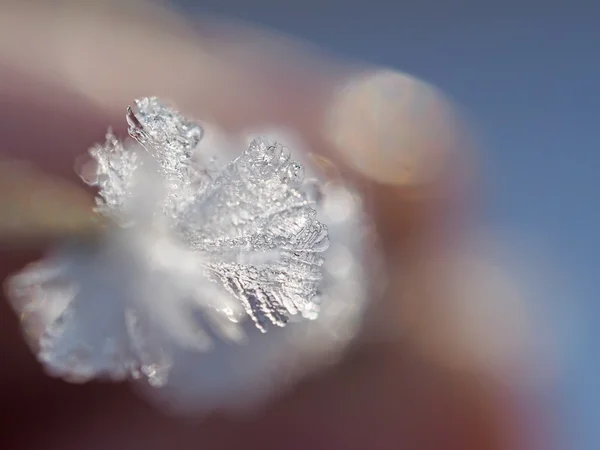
x: 526, y: 73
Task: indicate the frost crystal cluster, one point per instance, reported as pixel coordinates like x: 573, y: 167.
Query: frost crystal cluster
x: 251, y: 224
x: 201, y: 251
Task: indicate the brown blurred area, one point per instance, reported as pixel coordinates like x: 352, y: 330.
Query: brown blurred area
x: 416, y: 379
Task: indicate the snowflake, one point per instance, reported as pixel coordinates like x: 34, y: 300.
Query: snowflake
x: 233, y: 241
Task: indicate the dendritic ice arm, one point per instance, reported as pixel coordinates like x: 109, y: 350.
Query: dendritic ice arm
x: 170, y: 138
x: 276, y: 283
x: 112, y: 172
x: 164, y: 132
x: 260, y: 222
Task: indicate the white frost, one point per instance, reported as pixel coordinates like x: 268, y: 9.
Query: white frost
x: 213, y: 283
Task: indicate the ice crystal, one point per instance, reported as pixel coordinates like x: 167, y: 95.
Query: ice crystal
x: 236, y: 240
x: 252, y: 224
x: 114, y: 172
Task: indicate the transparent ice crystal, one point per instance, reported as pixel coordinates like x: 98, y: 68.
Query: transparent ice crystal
x: 232, y: 240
